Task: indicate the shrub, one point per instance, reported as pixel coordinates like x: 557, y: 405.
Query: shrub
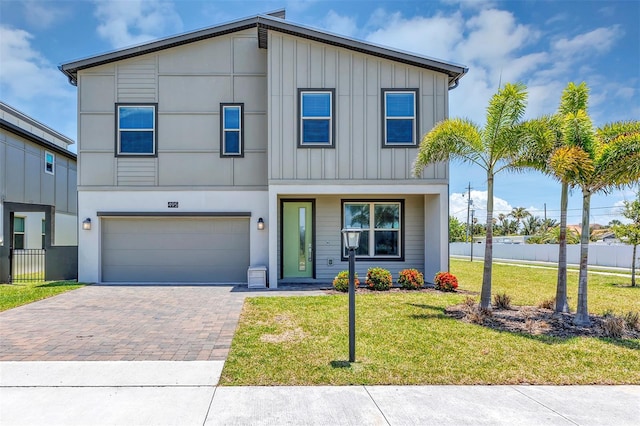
x: 379, y: 279
x: 341, y: 281
x: 632, y: 320
x: 502, y: 301
x: 477, y: 315
x: 411, y: 279
x: 469, y: 302
x: 547, y: 303
x: 445, y: 281
x: 613, y: 325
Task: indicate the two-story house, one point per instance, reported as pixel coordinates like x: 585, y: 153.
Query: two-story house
x: 37, y: 199
x: 254, y: 143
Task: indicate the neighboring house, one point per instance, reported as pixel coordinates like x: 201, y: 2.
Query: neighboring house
x: 37, y: 193
x: 254, y: 143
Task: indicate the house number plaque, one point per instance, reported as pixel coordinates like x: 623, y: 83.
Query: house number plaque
x: 172, y: 204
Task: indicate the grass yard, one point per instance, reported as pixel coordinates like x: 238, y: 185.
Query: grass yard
x: 405, y: 338
x: 12, y: 295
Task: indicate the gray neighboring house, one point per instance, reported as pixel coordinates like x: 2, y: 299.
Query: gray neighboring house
x: 253, y: 143
x: 38, y: 201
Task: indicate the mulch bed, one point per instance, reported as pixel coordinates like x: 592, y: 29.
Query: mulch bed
x: 518, y: 319
x: 537, y: 321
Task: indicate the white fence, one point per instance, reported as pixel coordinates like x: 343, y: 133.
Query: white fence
x: 618, y: 256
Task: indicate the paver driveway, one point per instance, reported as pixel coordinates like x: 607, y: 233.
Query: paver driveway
x: 125, y: 323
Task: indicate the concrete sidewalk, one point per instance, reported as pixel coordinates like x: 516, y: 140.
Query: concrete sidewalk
x: 186, y: 393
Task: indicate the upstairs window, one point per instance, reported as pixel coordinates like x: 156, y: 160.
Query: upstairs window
x: 231, y: 130
x: 400, y: 112
x: 136, y: 129
x: 316, y: 125
x: 49, y: 163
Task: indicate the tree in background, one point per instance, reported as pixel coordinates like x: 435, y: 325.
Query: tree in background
x: 493, y: 148
x: 630, y: 233
x: 457, y: 230
x: 519, y: 213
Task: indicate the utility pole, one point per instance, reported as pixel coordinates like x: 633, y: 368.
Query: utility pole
x: 545, y: 212
x: 472, y: 222
x: 469, y: 203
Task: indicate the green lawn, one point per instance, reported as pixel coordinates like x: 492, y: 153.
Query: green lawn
x: 12, y: 295
x: 405, y: 338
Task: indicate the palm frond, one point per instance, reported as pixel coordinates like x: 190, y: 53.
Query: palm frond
x: 571, y: 164
x: 456, y: 138
x: 578, y: 131
x: 505, y: 110
x: 574, y: 98
x: 618, y: 155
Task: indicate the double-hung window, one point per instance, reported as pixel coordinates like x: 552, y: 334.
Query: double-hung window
x: 399, y: 117
x: 381, y: 224
x: 49, y: 163
x: 316, y: 117
x: 136, y: 129
x: 231, y: 130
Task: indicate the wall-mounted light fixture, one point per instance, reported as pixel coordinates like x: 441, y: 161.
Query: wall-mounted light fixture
x: 86, y: 224
x: 260, y: 224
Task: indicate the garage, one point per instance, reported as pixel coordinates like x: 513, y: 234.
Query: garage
x: 175, y: 249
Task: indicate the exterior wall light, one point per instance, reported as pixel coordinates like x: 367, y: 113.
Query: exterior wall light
x: 86, y: 224
x: 260, y: 224
x: 351, y: 238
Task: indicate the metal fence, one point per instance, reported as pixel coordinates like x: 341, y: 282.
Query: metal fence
x: 27, y: 265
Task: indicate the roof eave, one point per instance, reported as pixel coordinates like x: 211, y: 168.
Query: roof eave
x: 269, y: 22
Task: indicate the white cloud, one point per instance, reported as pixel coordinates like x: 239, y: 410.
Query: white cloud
x: 458, y: 206
x: 26, y: 73
x: 436, y: 36
x: 43, y: 15
x: 493, y: 37
x: 126, y: 23
x: 600, y: 40
x: 342, y: 25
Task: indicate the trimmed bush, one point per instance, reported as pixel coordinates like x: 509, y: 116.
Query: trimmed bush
x: 613, y: 325
x: 445, y: 281
x: 502, y: 301
x: 410, y: 279
x: 379, y: 279
x: 341, y: 281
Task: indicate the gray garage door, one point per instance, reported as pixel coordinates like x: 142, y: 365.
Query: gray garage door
x: 175, y: 249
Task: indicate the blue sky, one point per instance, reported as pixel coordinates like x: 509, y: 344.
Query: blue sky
x: 544, y: 44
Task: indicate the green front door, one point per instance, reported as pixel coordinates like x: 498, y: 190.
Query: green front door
x: 297, y: 239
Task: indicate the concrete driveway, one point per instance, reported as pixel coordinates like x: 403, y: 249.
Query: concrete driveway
x: 127, y: 323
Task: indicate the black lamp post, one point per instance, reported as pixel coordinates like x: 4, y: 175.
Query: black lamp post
x: 351, y: 239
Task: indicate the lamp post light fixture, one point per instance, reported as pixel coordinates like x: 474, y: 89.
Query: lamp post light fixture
x: 86, y: 224
x: 260, y: 224
x: 351, y: 238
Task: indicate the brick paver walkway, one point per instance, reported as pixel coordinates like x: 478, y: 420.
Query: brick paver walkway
x: 121, y: 323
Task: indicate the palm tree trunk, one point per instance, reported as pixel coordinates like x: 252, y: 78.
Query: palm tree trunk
x: 561, y: 288
x: 582, y: 315
x: 485, y: 296
x: 633, y: 267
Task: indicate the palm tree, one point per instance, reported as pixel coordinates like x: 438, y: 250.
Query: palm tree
x: 552, y: 147
x: 531, y: 225
x: 614, y: 152
x: 519, y: 213
x: 493, y: 148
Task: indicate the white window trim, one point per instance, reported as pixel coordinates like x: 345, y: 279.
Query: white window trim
x: 302, y: 118
x: 239, y: 130
x: 152, y: 129
x: 53, y: 163
x: 372, y: 231
x: 413, y: 117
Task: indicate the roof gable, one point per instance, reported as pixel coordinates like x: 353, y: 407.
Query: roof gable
x: 273, y: 21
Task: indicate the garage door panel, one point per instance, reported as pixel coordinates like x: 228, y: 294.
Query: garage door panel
x: 175, y: 249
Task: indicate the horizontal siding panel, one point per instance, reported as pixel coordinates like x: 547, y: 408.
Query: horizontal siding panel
x: 136, y: 171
